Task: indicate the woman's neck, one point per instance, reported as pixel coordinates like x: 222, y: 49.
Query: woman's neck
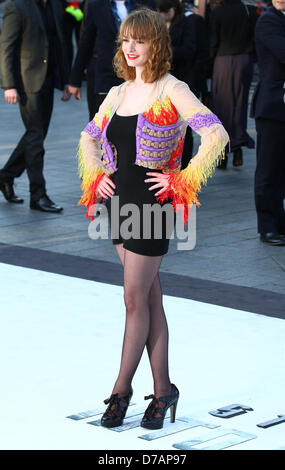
x: 138, y: 80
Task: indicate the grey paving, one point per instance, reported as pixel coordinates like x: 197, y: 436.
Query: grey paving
x: 227, y: 245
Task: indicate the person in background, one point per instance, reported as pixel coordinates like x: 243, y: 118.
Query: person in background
x: 90, y: 69
x: 268, y: 109
x: 33, y: 62
x: 72, y: 18
x: 101, y: 27
x: 199, y: 71
x: 204, y: 9
x: 232, y: 49
x: 188, y: 33
x: 203, y: 67
x: 2, y: 6
x: 182, y: 36
x: 183, y: 43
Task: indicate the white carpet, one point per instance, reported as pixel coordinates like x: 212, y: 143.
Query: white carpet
x: 60, y: 351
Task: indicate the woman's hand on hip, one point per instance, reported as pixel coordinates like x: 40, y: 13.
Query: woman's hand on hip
x: 106, y: 187
x: 161, y: 180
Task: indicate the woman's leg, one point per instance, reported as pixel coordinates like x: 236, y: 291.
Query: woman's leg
x: 157, y: 340
x: 139, y: 274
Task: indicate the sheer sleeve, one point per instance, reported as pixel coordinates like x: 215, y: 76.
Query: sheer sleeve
x: 185, y: 185
x: 90, y: 165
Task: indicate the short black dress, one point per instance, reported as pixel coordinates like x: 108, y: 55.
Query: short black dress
x: 132, y: 189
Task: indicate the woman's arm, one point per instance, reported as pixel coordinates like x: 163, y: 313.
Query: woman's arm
x: 90, y: 166
x: 184, y: 185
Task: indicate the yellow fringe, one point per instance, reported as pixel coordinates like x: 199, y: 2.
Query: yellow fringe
x: 87, y: 175
x: 197, y: 173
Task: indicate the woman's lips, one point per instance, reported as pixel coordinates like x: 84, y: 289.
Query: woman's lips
x: 132, y: 57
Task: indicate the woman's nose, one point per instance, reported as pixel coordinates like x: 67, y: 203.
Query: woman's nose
x: 132, y: 46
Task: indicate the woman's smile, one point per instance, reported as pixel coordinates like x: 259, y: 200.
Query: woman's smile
x: 132, y: 56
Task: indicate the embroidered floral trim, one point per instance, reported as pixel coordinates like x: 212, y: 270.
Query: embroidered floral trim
x: 93, y: 130
x: 200, y: 120
x: 190, y: 113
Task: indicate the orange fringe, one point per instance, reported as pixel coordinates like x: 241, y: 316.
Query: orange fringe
x: 89, y: 198
x: 181, y: 192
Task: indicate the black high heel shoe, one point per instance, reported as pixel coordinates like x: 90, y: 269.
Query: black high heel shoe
x: 116, y: 411
x: 150, y: 421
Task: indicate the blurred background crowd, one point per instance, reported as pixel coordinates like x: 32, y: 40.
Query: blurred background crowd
x: 214, y: 52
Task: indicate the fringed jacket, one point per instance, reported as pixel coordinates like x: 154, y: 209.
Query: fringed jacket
x: 160, y: 135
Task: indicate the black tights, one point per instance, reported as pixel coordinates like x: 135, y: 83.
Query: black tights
x: 145, y: 322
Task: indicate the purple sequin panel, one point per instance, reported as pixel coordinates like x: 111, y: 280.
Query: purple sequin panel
x: 142, y: 121
x: 201, y: 120
x: 93, y: 130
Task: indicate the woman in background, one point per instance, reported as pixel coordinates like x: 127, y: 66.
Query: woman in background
x: 232, y: 48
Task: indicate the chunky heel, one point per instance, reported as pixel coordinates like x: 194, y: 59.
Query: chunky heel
x: 173, y: 411
x: 150, y: 421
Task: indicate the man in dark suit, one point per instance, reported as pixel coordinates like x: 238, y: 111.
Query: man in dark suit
x: 33, y: 63
x: 2, y: 6
x: 101, y: 26
x: 268, y: 108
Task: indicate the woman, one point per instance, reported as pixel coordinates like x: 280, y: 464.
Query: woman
x: 139, y: 127
x: 232, y: 48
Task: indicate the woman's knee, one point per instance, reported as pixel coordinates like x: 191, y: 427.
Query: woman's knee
x: 135, y: 299
x: 155, y: 295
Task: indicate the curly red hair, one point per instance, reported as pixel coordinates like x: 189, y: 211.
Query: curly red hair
x: 147, y: 25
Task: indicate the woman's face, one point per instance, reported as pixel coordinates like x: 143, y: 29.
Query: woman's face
x: 167, y: 15
x: 279, y: 4
x: 136, y: 51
